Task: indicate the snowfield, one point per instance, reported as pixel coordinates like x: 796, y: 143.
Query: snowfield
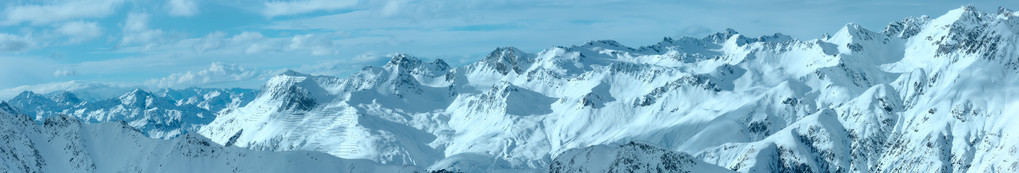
x: 926, y: 94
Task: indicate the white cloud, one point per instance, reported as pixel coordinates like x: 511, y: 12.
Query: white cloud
x: 258, y: 48
x: 694, y: 31
x: 316, y: 44
x: 217, y: 73
x: 182, y: 7
x: 248, y: 42
x: 391, y: 8
x: 212, y: 41
x: 136, y: 31
x: 283, y: 8
x: 342, y: 67
x: 86, y: 90
x: 136, y: 22
x: 65, y: 72
x: 79, y: 31
x: 371, y: 57
x: 60, y: 11
x: 246, y: 37
x: 15, y: 43
x: 221, y: 43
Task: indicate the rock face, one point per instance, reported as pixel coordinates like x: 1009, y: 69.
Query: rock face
x: 163, y: 114
x: 65, y: 144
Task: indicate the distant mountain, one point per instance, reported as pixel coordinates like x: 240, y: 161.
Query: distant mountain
x: 82, y: 89
x: 65, y: 144
x: 164, y: 114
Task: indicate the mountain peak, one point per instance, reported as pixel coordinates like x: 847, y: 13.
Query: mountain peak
x: 503, y: 50
x: 1003, y: 10
x: 667, y: 39
x: 502, y: 53
x: 290, y: 72
x: 720, y: 37
x: 137, y: 91
x: 506, y: 59
x: 402, y: 59
x: 777, y: 37
x: 961, y: 16
x: 906, y: 28
x: 137, y: 97
x: 65, y: 96
x: 603, y: 44
x: 440, y: 64
x: 730, y: 31
x: 439, y: 61
x: 853, y: 29
x: 968, y: 8
x: 852, y: 26
x: 27, y: 94
x: 850, y: 33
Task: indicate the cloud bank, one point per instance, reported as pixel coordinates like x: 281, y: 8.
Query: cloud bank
x: 217, y: 73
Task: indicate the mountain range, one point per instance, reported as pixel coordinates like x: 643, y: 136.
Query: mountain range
x: 926, y: 94
x: 163, y: 114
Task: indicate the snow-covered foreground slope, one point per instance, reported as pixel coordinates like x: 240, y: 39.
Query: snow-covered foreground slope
x: 925, y: 94
x: 164, y: 114
x: 65, y: 144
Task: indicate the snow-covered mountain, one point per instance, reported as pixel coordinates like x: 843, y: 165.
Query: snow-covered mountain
x: 925, y: 94
x: 164, y: 114
x: 65, y: 144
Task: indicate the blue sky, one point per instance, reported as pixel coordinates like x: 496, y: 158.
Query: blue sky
x: 240, y: 43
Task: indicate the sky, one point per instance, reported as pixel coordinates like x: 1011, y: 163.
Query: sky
x: 48, y: 45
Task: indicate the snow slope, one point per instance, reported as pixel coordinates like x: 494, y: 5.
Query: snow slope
x: 65, y: 144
